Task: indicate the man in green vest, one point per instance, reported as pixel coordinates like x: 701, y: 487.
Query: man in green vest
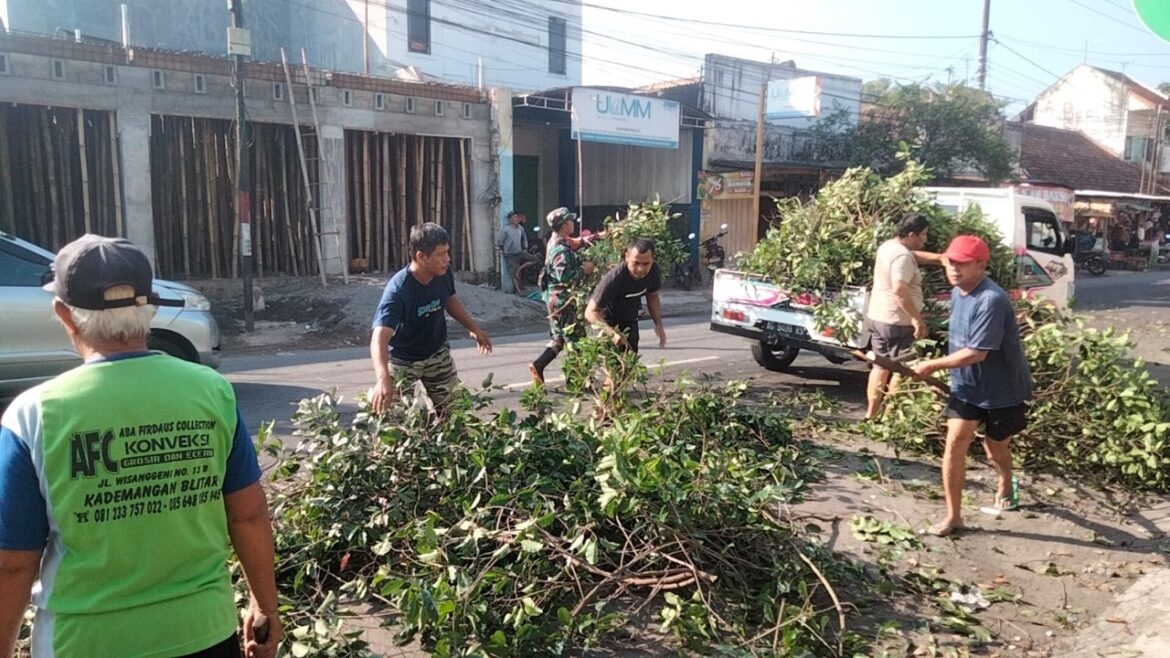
x: 124, y: 483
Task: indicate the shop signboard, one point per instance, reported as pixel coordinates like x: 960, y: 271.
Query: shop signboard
x: 613, y: 118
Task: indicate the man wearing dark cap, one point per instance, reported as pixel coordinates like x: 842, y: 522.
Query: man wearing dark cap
x: 990, y: 379
x: 125, y: 482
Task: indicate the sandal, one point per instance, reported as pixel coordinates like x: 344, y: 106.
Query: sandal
x: 1009, y: 503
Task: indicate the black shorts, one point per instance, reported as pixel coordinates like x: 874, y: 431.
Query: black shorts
x: 1000, y: 423
x: 631, y: 333
x: 889, y: 340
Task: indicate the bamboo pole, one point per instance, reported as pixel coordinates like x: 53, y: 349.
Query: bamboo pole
x: 374, y: 176
x: 353, y: 179
x: 54, y: 193
x: 366, y: 191
x: 99, y: 175
x: 387, y: 204
x: 401, y: 219
x: 184, y: 205
x: 234, y: 232
x: 439, y: 180
x: 288, y: 222
x: 213, y: 222
x: 420, y: 182
x: 63, y: 152
x: 7, y: 192
x: 115, y: 162
x: 262, y: 193
x: 466, y: 204
x: 83, y: 156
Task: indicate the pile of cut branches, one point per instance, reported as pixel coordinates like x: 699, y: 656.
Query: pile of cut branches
x: 543, y: 532
x: 1097, y: 413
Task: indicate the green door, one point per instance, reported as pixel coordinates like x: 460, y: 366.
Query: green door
x: 526, y: 189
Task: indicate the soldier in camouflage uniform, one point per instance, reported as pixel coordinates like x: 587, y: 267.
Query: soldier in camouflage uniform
x: 565, y: 271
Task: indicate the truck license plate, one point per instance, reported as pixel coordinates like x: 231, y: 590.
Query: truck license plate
x: 786, y: 330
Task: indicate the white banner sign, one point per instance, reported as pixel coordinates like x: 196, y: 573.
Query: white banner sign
x: 793, y: 99
x: 605, y: 116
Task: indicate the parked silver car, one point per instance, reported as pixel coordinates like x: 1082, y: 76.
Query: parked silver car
x: 33, y: 344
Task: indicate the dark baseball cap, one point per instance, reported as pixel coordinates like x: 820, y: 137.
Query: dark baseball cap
x: 90, y: 265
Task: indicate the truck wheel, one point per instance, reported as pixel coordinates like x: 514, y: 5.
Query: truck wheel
x: 776, y: 359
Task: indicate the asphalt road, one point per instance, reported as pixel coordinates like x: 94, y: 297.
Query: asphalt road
x: 269, y: 386
x: 1128, y: 290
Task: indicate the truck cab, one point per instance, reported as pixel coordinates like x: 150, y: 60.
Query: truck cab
x: 1031, y: 228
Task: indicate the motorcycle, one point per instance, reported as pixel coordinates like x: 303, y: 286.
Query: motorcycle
x: 530, y: 272
x: 713, y: 252
x: 1093, y: 261
x: 685, y: 273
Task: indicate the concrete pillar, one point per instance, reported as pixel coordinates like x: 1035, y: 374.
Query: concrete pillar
x: 133, y: 121
x: 334, y: 228
x: 503, y: 143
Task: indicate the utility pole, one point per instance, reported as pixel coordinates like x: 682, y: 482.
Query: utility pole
x: 759, y: 170
x: 240, y: 45
x: 982, y: 74
x: 366, y: 39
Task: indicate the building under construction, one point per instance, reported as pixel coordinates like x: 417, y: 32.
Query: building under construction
x: 137, y: 142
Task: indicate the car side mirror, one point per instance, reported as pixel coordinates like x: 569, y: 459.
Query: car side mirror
x: 1070, y: 246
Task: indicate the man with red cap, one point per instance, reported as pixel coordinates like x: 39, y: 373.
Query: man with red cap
x: 990, y: 379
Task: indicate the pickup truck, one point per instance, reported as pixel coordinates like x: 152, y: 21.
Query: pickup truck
x: 780, y: 324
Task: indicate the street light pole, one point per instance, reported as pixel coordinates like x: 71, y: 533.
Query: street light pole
x: 240, y: 45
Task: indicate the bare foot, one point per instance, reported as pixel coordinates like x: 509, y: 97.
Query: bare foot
x: 537, y: 375
x: 945, y: 529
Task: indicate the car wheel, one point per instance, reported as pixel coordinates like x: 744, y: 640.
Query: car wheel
x: 776, y: 359
x: 168, y: 345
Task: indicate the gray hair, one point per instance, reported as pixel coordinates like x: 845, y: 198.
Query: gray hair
x: 121, y: 325
x: 426, y: 238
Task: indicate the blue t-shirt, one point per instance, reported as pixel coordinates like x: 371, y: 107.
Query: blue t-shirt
x: 416, y: 314
x: 984, y: 320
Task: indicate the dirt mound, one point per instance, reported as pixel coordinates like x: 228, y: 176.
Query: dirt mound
x: 298, y: 313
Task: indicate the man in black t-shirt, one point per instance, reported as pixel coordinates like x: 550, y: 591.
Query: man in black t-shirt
x: 618, y: 297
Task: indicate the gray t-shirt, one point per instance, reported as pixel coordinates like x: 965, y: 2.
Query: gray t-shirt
x: 513, y: 240
x: 984, y: 320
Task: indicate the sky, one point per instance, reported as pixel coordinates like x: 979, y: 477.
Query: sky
x: 1035, y: 41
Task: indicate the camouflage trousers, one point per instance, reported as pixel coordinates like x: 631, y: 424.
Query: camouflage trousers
x: 436, y: 372
x: 565, y: 323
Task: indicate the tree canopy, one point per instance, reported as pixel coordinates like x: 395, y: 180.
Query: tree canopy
x: 951, y: 129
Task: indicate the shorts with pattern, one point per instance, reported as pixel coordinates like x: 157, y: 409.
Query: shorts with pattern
x: 436, y: 372
x: 565, y: 323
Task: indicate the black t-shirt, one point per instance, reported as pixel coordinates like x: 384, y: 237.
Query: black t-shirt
x: 619, y: 295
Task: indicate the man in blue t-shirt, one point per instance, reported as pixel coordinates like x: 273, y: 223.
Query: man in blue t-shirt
x: 990, y: 379
x: 409, y: 338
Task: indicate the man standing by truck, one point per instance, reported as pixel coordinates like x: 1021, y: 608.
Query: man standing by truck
x: 894, y: 318
x: 990, y: 379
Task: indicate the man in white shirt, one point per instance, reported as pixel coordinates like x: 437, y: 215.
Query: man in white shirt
x: 894, y: 318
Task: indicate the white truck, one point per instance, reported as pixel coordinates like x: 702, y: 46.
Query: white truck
x: 780, y: 324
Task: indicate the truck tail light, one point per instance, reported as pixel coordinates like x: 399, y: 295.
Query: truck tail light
x: 734, y: 316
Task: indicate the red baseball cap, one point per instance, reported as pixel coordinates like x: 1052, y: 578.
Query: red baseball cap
x: 967, y: 249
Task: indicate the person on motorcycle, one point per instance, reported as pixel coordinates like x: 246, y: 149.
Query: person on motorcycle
x: 564, y: 272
